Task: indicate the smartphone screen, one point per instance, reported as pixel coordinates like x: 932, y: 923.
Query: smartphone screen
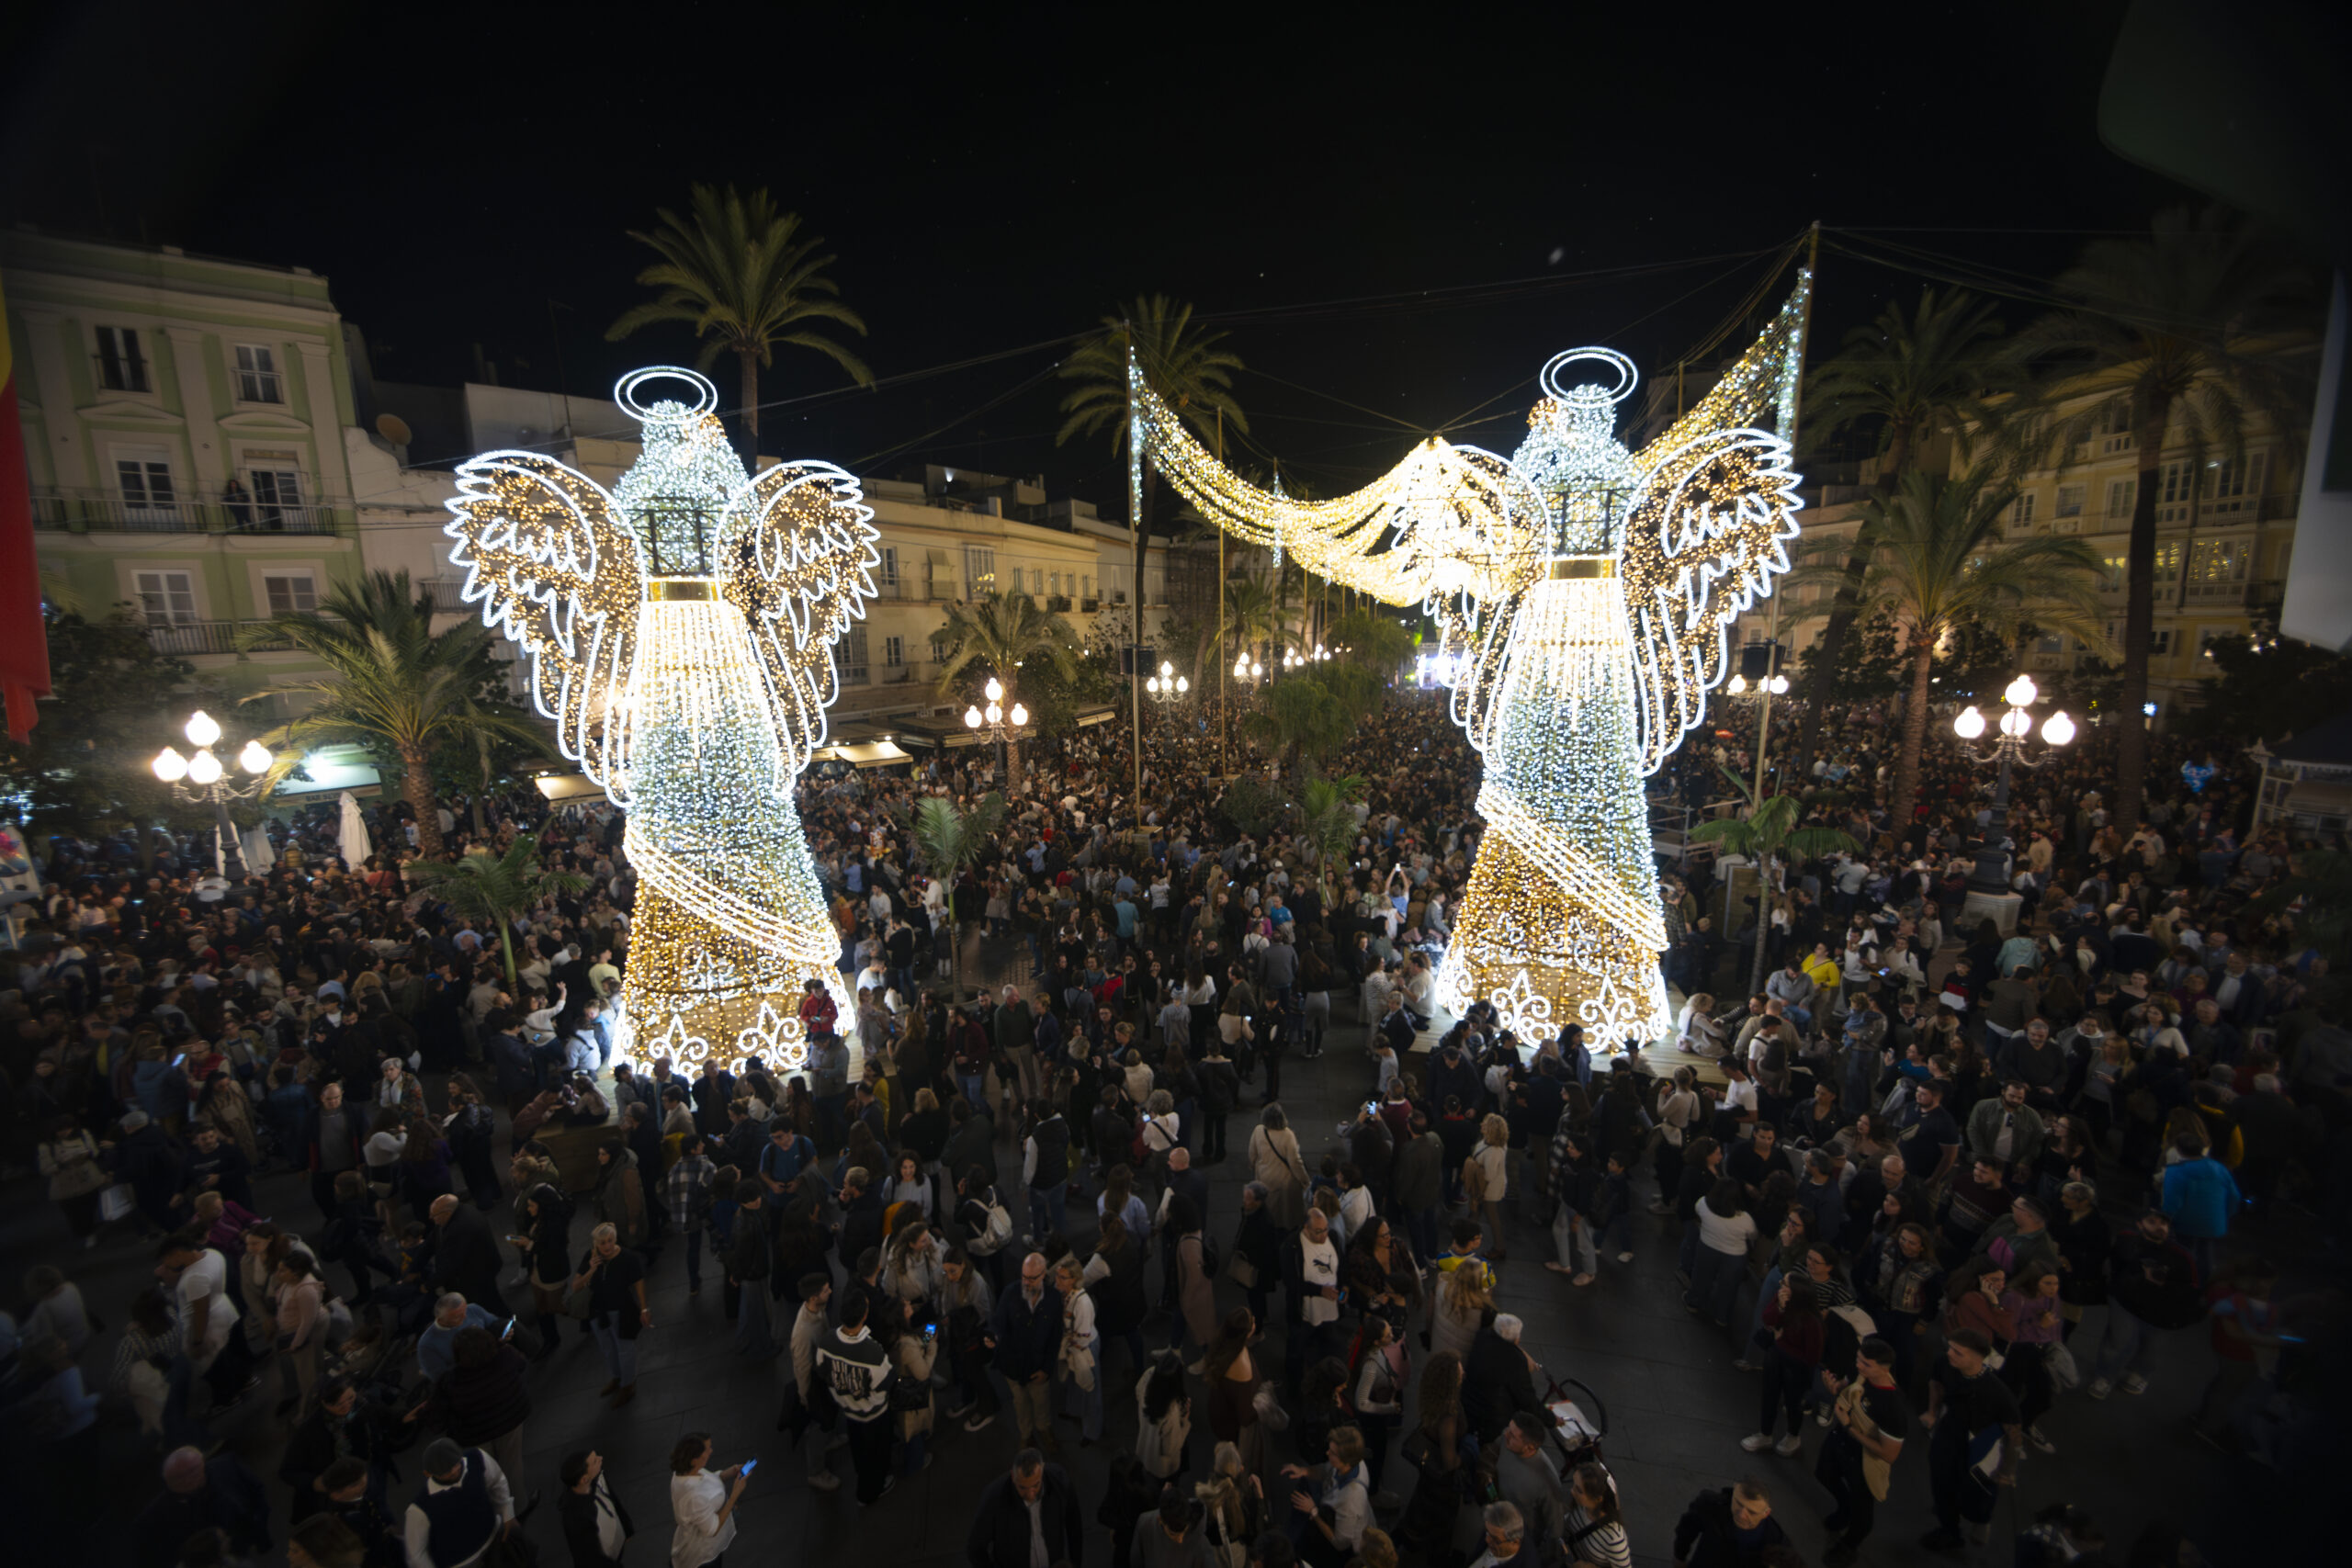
x: 749, y: 1465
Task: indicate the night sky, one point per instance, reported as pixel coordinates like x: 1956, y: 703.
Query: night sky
x: 1398, y: 214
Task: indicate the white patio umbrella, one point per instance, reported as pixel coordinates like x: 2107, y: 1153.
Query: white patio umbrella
x: 353, y: 838
x: 260, y: 855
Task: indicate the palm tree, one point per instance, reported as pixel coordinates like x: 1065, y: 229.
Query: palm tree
x: 1910, y: 378
x: 744, y: 277
x: 392, y: 683
x: 1371, y: 639
x: 1767, y: 830
x: 1250, y: 614
x: 1184, y: 364
x: 496, y: 889
x: 1328, y: 821
x: 1939, y: 567
x: 1302, y: 719
x: 2185, y: 325
x: 952, y: 842
x: 999, y: 632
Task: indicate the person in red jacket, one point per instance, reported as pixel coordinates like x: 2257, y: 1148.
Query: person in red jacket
x: 1793, y: 1319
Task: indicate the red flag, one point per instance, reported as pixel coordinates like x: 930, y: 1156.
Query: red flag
x: 24, y: 638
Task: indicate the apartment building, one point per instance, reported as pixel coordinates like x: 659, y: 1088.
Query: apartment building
x: 183, y: 423
x: 2225, y: 536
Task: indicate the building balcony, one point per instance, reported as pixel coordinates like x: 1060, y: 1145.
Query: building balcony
x: 188, y: 639
x: 64, y: 511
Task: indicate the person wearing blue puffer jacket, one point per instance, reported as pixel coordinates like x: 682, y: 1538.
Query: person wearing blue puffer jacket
x: 2202, y: 1198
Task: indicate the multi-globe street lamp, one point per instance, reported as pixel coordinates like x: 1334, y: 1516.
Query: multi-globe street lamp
x: 1990, y: 880
x: 1168, y: 687
x: 994, y: 719
x: 202, y: 779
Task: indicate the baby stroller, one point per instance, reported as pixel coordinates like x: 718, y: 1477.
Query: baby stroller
x: 1581, y: 1420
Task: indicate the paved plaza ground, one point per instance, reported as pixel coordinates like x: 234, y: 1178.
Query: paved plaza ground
x: 1676, y: 1408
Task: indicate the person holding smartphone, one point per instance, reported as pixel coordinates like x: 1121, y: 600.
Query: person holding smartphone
x: 703, y: 1503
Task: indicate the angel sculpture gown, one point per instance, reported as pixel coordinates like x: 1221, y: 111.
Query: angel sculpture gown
x: 1560, y: 922
x: 681, y: 631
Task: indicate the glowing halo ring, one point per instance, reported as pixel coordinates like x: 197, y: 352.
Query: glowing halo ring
x: 706, y: 403
x: 1627, y: 377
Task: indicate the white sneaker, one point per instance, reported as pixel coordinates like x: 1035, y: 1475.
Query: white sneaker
x: 1624, y: 1257
x: 1756, y: 1443
x: 2099, y: 1387
x: 1789, y: 1447
x: 828, y: 1482
x: 2135, y: 1383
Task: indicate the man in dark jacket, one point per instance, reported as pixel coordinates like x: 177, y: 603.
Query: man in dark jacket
x: 341, y: 1426
x: 464, y: 1256
x: 1032, y: 1510
x: 201, y: 1494
x: 1497, y: 1381
x: 596, y: 1525
x: 1730, y: 1528
x: 1026, y: 1334
x: 481, y: 1401
x: 2154, y: 1288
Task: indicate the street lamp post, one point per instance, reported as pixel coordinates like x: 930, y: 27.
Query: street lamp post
x: 1167, y: 688
x: 1988, y: 886
x: 994, y: 719
x: 209, y: 780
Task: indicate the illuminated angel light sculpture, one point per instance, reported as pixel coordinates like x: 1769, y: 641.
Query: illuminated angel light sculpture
x: 681, y: 632
x: 1585, y: 594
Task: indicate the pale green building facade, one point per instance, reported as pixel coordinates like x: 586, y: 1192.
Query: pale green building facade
x: 184, y: 421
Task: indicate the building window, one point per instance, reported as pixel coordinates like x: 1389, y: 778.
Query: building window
x: 2232, y: 479
x: 894, y: 651
x: 293, y: 594
x: 167, y: 597
x: 121, y: 367
x: 2021, y: 513
x: 278, y: 497
x: 889, y: 572
x: 1054, y: 581
x: 257, y: 377
x: 2120, y: 493
x: 146, y: 484
x: 979, y: 571
x: 2070, y: 500
x: 2160, y: 642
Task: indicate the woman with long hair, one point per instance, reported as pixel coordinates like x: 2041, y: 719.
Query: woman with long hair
x: 1164, y: 1416
x: 1792, y: 1317
x: 1234, y: 1382
x: 1195, y: 1312
x: 1234, y: 1501
x: 1594, y: 1529
x: 1274, y: 1161
x: 299, y: 1308
x: 1434, y: 1449
x: 1115, y: 1274
x: 1082, y: 1359
x: 471, y: 1128
x: 1459, y: 1305
x: 1377, y: 1376
x: 1703, y: 1164
x: 545, y: 1245
x: 1725, y: 1229
x: 1492, y: 1157
x: 425, y: 1166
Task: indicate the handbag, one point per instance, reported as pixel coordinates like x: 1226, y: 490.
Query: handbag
x: 80, y: 1176
x: 116, y: 1203
x: 577, y: 1303
x: 2064, y: 1372
x: 1241, y: 1271
x: 1271, y: 1412
x: 1078, y: 1363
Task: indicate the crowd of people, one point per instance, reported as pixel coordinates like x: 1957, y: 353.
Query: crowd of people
x: 1933, y: 1176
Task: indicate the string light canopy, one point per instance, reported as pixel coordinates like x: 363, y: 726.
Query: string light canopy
x: 1584, y: 594
x: 681, y: 631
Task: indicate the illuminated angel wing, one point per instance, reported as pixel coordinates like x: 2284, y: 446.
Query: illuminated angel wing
x: 1707, y: 533
x: 1474, y: 532
x: 553, y: 564
x: 798, y: 550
